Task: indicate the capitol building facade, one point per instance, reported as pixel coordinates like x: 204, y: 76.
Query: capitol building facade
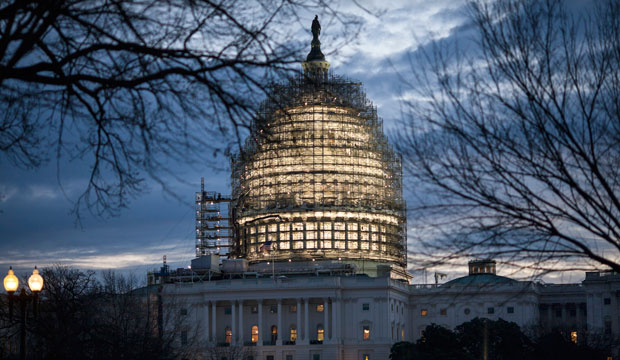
x: 309, y: 259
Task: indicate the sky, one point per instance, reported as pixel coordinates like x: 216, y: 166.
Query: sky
x: 38, y: 228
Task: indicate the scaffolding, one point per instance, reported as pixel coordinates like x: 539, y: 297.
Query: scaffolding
x: 213, y: 227
x: 316, y: 178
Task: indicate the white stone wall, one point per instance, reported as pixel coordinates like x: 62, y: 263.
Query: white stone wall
x: 391, y: 309
x: 343, y: 318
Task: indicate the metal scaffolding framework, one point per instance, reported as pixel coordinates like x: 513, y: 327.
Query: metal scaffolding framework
x: 317, y: 178
x: 213, y: 228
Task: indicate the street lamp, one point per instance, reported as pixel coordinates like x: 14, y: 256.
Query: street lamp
x: 11, y: 284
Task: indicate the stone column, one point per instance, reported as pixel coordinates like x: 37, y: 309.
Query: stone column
x: 326, y: 320
x: 213, y: 324
x: 279, y: 339
x: 335, y: 313
x: 206, y: 322
x: 306, y: 322
x: 260, y: 323
x: 241, y: 330
x: 233, y: 311
x: 298, y: 324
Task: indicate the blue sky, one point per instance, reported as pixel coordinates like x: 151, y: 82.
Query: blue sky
x: 37, y: 228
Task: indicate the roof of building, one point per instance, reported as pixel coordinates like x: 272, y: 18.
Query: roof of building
x: 480, y: 279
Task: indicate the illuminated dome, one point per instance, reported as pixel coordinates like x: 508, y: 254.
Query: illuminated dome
x: 316, y: 178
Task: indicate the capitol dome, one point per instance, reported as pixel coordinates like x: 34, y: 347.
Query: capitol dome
x: 316, y: 178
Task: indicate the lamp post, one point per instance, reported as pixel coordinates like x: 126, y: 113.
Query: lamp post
x: 11, y: 284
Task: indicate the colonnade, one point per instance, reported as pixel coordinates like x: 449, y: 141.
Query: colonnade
x: 216, y: 326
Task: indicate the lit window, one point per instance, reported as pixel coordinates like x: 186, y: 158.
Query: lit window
x: 320, y: 308
x: 255, y: 334
x: 366, y: 307
x: 293, y: 333
x: 423, y: 312
x: 227, y: 335
x: 573, y: 336
x: 365, y: 357
x: 402, y: 334
x: 274, y: 334
x: 292, y: 308
x: 320, y: 332
x: 443, y: 312
x: 366, y: 332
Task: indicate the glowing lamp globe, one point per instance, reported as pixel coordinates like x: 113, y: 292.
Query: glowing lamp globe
x: 10, y: 281
x: 35, y: 281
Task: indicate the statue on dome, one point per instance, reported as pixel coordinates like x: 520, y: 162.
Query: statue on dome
x: 316, y: 27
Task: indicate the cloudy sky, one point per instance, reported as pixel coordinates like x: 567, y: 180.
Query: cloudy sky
x: 36, y: 226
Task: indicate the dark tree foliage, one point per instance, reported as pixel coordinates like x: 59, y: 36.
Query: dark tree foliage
x: 556, y: 346
x: 498, y: 339
x: 130, y: 87
x: 82, y: 317
x: 514, y: 139
x: 437, y: 343
x: 482, y: 338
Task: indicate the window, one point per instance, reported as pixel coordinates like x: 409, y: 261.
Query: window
x: 558, y: 313
x: 293, y: 309
x: 402, y: 334
x: 365, y: 306
x: 269, y: 357
x: 573, y: 312
x: 510, y: 310
x: 250, y: 357
x: 320, y: 308
x: 227, y: 311
x: 254, y: 309
x: 183, y: 312
x: 466, y: 311
x: 274, y: 334
x: 316, y: 357
x: 227, y: 335
x: 366, y: 332
x: 365, y: 357
x: 443, y: 312
x: 607, y: 301
x: 491, y: 310
x: 184, y: 337
x: 255, y: 334
x: 423, y: 312
x: 289, y: 357
x: 293, y: 333
x: 573, y: 336
x: 320, y: 332
x: 273, y: 309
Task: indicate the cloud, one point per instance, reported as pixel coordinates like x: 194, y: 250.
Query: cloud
x: 93, y: 258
